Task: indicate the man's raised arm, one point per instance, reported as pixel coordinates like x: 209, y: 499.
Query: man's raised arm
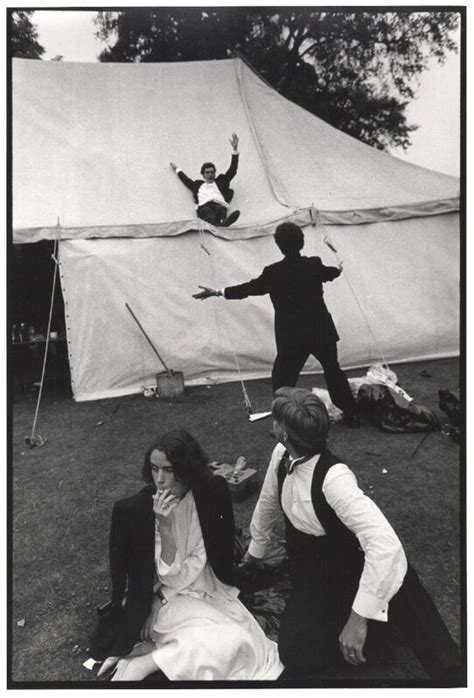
x: 184, y: 178
x: 232, y: 171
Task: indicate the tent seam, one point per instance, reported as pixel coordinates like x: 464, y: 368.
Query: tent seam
x: 253, y: 129
x: 299, y: 215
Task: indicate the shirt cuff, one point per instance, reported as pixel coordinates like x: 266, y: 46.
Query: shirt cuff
x: 256, y: 549
x: 370, y: 606
x: 178, y: 169
x: 235, y: 152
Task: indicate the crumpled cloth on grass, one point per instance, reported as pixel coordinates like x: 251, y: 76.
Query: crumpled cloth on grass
x: 266, y: 598
x: 335, y: 414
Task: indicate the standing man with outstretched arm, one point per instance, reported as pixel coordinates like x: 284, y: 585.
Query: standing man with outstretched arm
x: 303, y: 324
x: 213, y: 194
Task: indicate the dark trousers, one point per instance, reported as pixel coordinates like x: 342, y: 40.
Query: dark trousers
x: 289, y: 362
x: 212, y: 212
x: 317, y: 612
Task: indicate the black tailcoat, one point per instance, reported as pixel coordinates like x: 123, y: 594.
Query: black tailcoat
x: 295, y: 286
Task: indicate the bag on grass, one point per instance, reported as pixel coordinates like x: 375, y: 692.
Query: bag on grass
x: 449, y: 403
x: 451, y: 406
x: 111, y: 622
x: 390, y: 411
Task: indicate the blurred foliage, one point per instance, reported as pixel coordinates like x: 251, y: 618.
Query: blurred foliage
x: 357, y: 70
x: 24, y: 36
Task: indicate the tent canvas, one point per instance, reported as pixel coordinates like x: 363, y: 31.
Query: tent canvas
x: 91, y: 150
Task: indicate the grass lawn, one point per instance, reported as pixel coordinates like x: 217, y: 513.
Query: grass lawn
x: 63, y: 494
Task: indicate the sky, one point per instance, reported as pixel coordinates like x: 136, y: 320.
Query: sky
x: 436, y: 109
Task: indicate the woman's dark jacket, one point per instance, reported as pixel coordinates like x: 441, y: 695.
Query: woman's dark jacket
x: 132, y: 559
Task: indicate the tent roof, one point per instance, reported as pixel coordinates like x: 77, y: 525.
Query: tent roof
x: 92, y: 144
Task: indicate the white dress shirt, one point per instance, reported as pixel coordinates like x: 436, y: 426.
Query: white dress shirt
x: 209, y: 191
x: 189, y: 573
x: 385, y: 563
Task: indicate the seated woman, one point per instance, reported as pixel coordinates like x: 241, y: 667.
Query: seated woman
x: 172, y: 545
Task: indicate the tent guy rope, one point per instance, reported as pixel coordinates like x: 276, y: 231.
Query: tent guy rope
x: 316, y: 220
x: 35, y: 439
x: 253, y: 416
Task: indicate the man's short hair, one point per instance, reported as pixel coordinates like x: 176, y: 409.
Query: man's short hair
x: 206, y: 165
x: 304, y: 417
x: 289, y: 238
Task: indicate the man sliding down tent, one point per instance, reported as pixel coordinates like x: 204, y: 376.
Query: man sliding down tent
x: 213, y: 194
x: 303, y: 324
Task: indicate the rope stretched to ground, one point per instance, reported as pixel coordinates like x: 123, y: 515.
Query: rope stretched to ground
x: 35, y: 439
x: 248, y: 404
x: 328, y: 242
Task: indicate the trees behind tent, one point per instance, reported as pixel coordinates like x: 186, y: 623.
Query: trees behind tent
x: 357, y: 70
x: 24, y: 35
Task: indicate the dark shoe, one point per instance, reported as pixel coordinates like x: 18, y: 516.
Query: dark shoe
x: 352, y: 420
x: 230, y: 219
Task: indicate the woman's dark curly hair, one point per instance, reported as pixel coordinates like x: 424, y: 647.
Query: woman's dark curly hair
x: 189, y: 461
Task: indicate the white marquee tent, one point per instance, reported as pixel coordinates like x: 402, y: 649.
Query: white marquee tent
x: 92, y: 144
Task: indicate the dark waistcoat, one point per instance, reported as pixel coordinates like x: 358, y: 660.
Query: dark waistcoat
x: 331, y: 557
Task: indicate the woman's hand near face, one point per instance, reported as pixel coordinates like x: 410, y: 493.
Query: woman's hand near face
x: 164, y: 503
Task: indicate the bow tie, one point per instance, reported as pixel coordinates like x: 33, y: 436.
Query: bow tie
x: 290, y: 465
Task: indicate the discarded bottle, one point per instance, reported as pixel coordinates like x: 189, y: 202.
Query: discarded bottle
x: 240, y: 465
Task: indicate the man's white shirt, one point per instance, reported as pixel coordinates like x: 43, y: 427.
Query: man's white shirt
x: 209, y: 191
x: 385, y: 561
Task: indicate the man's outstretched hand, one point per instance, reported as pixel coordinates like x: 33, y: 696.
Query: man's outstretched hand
x: 206, y: 293
x: 175, y: 167
x: 234, y: 141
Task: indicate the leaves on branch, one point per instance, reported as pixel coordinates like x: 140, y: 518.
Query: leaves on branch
x: 24, y: 36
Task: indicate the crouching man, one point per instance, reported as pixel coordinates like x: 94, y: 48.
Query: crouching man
x: 347, y: 565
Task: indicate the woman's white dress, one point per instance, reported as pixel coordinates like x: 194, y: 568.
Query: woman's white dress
x: 204, y: 632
